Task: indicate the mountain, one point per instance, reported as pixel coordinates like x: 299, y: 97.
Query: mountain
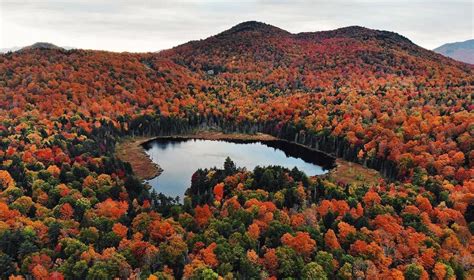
x: 254, y: 27
x: 41, y: 45
x: 462, y: 51
x: 38, y: 45
x: 71, y: 209
x: 12, y: 49
x: 306, y: 61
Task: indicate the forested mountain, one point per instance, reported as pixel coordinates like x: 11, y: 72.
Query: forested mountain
x: 462, y: 51
x: 70, y: 208
x: 38, y: 45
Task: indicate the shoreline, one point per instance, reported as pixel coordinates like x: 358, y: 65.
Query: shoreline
x: 212, y: 135
x: 132, y: 150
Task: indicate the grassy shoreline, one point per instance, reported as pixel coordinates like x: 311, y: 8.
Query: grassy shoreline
x: 347, y: 172
x: 131, y: 150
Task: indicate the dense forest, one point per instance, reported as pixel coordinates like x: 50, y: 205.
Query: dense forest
x: 70, y: 209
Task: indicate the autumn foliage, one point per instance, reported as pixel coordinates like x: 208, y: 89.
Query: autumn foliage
x: 69, y: 208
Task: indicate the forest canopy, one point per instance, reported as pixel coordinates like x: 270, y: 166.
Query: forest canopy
x: 70, y: 209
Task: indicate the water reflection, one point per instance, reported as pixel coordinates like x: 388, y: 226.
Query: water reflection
x: 180, y: 158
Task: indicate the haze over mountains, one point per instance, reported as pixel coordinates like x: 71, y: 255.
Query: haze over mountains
x: 462, y: 51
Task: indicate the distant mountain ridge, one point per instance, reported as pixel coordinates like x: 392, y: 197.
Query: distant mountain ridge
x: 37, y: 45
x: 356, y: 32
x: 461, y: 51
x: 268, y: 47
x: 254, y: 27
x: 42, y: 45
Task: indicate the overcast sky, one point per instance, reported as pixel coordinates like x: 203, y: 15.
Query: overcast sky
x: 141, y: 25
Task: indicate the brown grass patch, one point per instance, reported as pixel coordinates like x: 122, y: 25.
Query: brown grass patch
x: 130, y: 150
x: 347, y: 172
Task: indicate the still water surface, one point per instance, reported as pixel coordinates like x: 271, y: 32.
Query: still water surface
x: 180, y: 158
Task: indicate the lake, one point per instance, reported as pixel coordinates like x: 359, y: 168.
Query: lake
x: 180, y: 158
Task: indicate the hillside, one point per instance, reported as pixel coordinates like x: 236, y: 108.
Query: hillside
x: 70, y: 208
x: 38, y: 45
x: 461, y: 51
x: 41, y: 45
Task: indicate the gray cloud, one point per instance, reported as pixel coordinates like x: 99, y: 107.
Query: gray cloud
x: 143, y: 25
